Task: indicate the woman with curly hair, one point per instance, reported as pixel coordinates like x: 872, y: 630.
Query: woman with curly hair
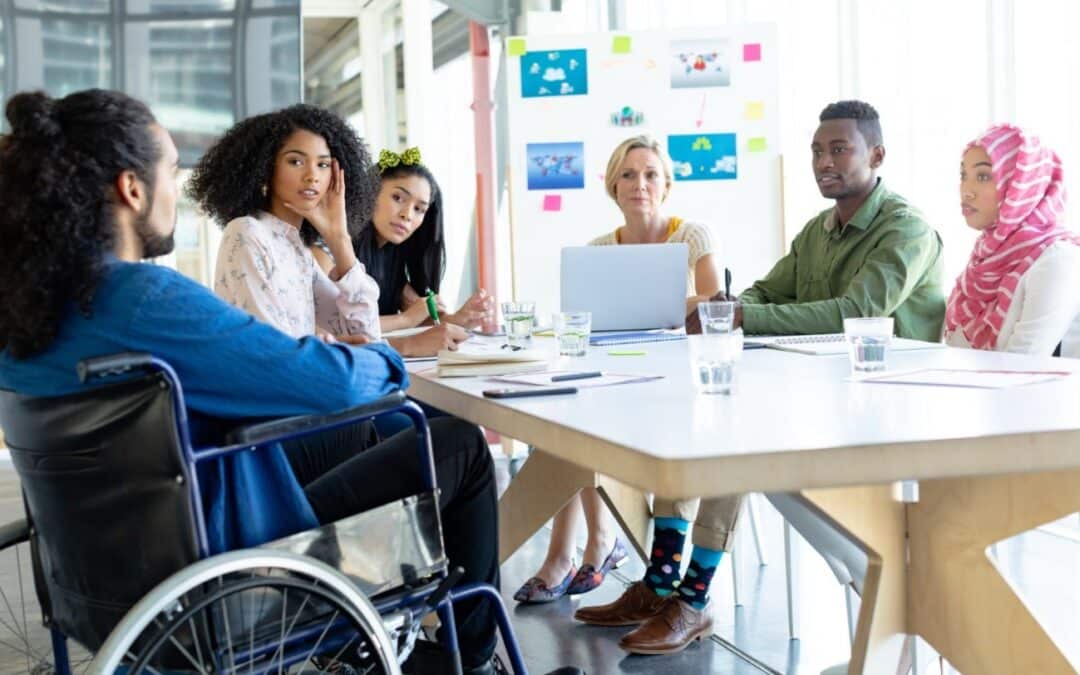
x: 279, y: 182
x: 404, y: 249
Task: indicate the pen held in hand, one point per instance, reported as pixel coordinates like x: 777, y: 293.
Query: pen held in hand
x: 432, y: 307
x: 576, y: 376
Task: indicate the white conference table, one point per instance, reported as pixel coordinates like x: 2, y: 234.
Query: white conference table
x: 990, y: 464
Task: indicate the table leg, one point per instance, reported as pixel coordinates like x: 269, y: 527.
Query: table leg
x: 631, y: 511
x: 959, y: 602
x: 545, y: 483
x: 535, y: 494
x: 871, y: 516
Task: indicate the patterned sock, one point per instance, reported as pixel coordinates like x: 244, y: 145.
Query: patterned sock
x: 669, y: 535
x: 694, y: 588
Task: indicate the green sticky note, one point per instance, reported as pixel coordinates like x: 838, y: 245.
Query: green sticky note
x: 620, y: 44
x: 626, y: 352
x: 755, y: 144
x: 515, y: 46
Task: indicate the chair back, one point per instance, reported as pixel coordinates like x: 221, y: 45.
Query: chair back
x: 107, y: 491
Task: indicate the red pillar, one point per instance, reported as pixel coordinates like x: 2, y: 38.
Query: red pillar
x: 483, y: 130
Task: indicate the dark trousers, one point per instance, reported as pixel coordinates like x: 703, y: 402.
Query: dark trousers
x: 346, y: 471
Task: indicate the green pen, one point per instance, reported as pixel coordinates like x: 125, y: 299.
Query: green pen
x: 432, y: 309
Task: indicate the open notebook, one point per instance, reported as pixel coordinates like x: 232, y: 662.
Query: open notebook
x: 490, y: 356
x: 829, y: 343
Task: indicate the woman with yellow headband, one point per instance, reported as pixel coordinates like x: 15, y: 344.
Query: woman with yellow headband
x: 404, y: 249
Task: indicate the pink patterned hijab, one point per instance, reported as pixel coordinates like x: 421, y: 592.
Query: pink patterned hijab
x: 1031, y: 208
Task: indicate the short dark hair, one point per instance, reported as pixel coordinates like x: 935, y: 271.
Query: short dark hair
x: 57, y: 225
x: 231, y: 178
x: 864, y: 114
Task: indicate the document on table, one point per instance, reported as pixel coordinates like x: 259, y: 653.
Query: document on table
x: 544, y: 379
x: 952, y: 377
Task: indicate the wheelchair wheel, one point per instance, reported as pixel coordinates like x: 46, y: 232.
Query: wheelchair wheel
x: 251, y: 611
x: 25, y: 642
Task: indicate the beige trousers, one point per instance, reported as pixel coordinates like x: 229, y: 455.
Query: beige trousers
x: 714, y: 519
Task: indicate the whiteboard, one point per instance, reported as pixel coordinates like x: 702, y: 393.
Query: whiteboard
x: 566, y: 100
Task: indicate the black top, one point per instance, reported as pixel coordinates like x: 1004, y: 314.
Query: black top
x: 387, y: 266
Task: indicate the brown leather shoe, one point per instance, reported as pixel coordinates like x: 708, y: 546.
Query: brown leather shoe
x: 675, y: 626
x: 637, y: 604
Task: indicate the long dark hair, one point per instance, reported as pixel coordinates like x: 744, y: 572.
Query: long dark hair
x: 230, y: 179
x: 57, y: 169
x: 425, y: 250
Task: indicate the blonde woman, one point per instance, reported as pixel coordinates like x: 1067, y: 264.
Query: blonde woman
x: 638, y: 179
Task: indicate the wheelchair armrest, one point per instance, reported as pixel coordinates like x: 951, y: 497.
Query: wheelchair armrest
x: 265, y: 432
x: 15, y: 532
x: 113, y: 364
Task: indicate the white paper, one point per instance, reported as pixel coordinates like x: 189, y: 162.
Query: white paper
x: 982, y: 379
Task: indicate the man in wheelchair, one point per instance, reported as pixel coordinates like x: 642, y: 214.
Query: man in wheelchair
x: 88, y: 187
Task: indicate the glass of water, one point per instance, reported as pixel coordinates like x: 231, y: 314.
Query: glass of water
x: 520, y: 318
x: 868, y: 343
x: 716, y: 316
x: 572, y: 331
x: 712, y: 360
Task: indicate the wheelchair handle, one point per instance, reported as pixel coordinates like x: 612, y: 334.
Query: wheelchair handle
x: 114, y: 364
x: 444, y: 587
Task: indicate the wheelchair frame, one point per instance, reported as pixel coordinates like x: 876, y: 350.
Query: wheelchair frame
x: 436, y: 595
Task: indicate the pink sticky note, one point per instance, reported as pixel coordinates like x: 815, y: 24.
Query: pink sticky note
x: 751, y: 52
x: 553, y: 202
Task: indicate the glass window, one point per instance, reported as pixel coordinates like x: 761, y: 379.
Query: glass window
x: 262, y: 4
x: 3, y: 64
x: 274, y: 41
x: 75, y: 54
x: 179, y: 6
x: 76, y: 6
x: 184, y: 71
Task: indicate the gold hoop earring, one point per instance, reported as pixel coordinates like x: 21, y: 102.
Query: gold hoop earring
x: 264, y: 190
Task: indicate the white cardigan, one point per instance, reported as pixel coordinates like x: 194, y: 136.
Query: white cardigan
x: 1045, y: 308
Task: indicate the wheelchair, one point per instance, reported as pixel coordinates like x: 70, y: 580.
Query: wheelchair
x: 118, y: 549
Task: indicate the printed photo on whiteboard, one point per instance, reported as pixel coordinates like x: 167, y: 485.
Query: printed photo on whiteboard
x: 555, y: 166
x: 703, y: 156
x: 557, y: 73
x: 700, y: 63
x: 627, y: 117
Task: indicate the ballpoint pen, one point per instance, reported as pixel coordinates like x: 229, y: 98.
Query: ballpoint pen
x: 727, y: 284
x: 432, y: 308
x: 576, y: 376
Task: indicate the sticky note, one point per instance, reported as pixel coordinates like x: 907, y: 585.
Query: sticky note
x: 620, y: 44
x: 552, y: 202
x: 751, y: 51
x: 515, y: 47
x: 626, y: 352
x: 756, y: 144
x: 755, y: 110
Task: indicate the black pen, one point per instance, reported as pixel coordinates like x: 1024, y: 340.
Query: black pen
x: 727, y: 284
x: 576, y: 376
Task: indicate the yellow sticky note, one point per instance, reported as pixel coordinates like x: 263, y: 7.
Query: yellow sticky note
x: 755, y: 110
x: 620, y: 44
x: 756, y: 144
x: 515, y: 46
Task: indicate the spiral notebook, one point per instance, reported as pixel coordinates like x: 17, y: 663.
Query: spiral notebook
x: 635, y: 337
x: 828, y: 343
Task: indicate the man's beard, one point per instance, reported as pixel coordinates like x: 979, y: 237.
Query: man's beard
x: 153, y: 244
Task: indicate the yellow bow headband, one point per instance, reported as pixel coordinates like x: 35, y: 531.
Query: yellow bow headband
x: 388, y: 159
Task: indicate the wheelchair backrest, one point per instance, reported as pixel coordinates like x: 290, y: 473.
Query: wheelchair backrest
x: 107, y: 491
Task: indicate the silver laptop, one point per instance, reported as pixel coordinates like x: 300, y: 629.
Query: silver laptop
x: 633, y: 287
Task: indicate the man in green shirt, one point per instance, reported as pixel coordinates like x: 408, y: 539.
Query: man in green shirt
x: 872, y: 254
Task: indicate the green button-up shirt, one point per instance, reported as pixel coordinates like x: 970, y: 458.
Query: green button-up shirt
x: 885, y: 261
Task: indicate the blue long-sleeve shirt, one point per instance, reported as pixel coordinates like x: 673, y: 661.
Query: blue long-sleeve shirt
x: 231, y: 367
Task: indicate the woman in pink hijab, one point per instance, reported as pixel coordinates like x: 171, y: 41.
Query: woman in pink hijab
x: 1020, y: 291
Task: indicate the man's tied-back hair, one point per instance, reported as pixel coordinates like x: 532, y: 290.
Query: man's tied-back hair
x: 58, y: 168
